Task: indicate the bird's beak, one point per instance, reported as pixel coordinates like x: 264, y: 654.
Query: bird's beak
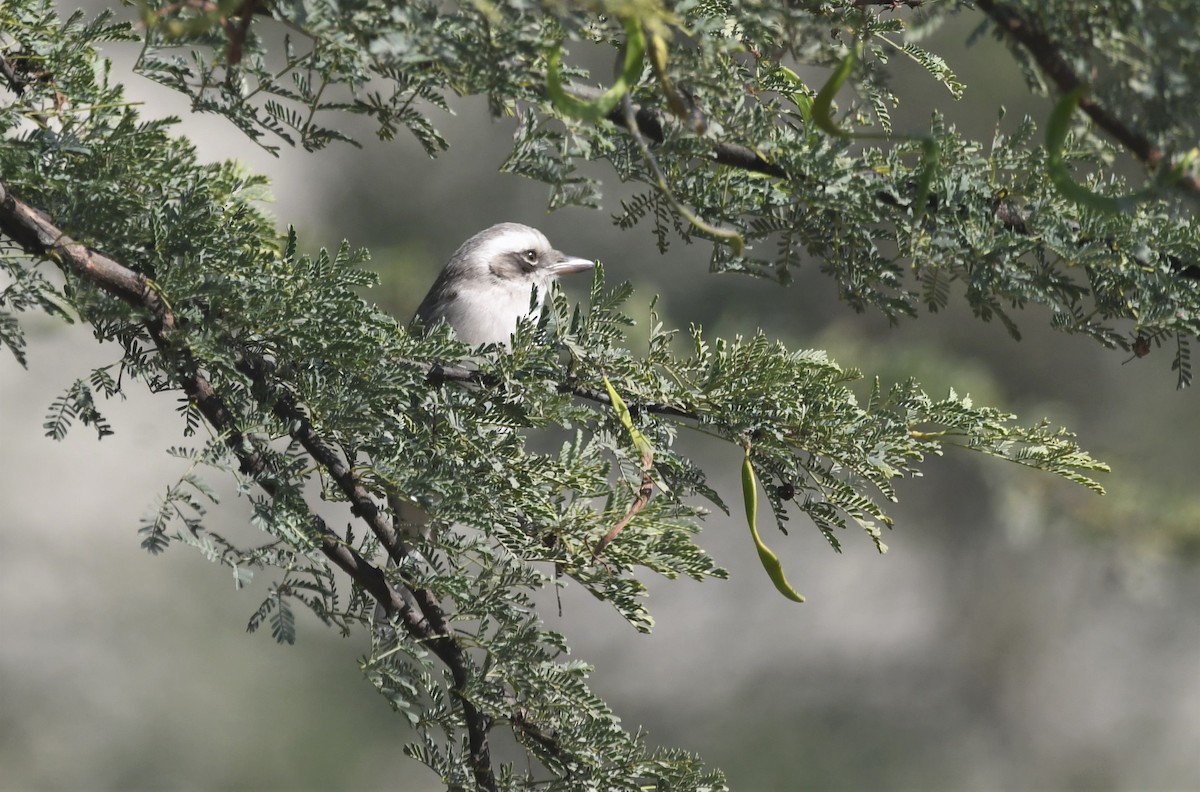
x: 565, y: 265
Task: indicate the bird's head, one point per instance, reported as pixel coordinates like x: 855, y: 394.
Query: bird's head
x: 515, y: 253
x: 485, y: 288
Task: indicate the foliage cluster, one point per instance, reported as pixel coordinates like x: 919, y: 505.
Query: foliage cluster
x: 734, y: 138
x: 307, y: 390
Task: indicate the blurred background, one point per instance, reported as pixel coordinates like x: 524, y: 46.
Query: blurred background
x: 1021, y: 633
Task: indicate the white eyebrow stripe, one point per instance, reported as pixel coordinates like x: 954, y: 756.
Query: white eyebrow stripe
x: 513, y: 240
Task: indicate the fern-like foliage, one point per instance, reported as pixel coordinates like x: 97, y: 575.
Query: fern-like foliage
x: 322, y: 395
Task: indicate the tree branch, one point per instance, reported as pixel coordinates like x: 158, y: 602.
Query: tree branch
x: 363, y: 506
x: 441, y: 372
x: 648, y: 124
x: 1055, y: 66
x: 893, y: 4
x: 37, y: 235
x: 14, y: 82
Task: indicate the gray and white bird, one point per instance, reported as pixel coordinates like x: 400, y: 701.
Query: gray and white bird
x: 482, y: 292
x: 485, y: 288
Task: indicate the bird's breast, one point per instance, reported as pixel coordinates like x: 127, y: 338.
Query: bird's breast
x: 488, y: 315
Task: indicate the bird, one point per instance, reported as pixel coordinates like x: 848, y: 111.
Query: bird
x: 486, y: 286
x: 496, y: 278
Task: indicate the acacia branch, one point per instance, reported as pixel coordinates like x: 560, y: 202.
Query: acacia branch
x: 37, y: 235
x: 647, y: 123
x: 438, y: 373
x: 285, y: 407
x: 1054, y: 65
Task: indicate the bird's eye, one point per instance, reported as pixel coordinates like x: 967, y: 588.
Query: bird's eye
x: 530, y: 256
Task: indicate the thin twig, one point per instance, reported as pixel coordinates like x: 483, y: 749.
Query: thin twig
x: 640, y: 500
x: 647, y: 123
x: 437, y: 373
x: 728, y: 236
